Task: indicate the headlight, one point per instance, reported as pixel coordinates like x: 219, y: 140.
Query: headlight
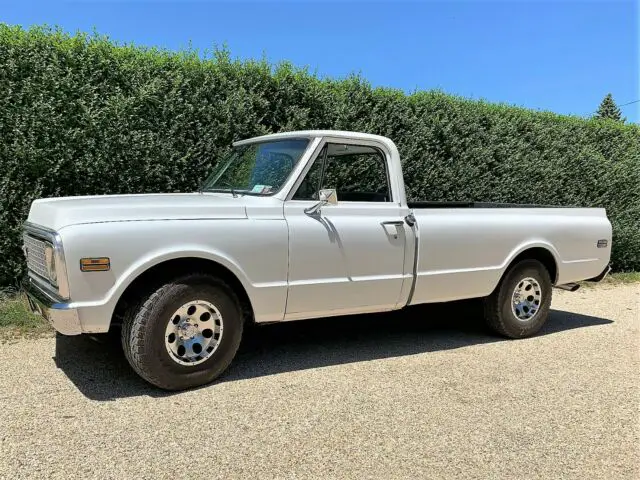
x: 45, y: 259
x: 50, y: 264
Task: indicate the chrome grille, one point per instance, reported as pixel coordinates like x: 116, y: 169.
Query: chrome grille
x: 36, y: 260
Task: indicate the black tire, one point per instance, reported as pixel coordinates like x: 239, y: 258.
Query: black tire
x: 498, y: 310
x: 143, y: 332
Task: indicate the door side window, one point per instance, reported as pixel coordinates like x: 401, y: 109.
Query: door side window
x: 358, y: 174
x: 310, y: 186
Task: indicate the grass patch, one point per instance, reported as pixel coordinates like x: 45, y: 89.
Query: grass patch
x: 624, y: 277
x: 620, y: 278
x: 16, y: 320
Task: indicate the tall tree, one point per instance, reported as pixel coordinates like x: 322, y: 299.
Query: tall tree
x: 609, y: 109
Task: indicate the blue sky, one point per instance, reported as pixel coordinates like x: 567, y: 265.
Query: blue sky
x: 562, y: 56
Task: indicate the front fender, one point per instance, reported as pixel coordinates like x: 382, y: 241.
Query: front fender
x: 155, y: 258
x: 135, y: 247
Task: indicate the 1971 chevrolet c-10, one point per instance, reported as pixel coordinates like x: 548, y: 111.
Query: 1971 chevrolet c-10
x: 292, y: 226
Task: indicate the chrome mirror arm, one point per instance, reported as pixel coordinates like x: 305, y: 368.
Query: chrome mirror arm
x: 327, y: 196
x: 315, y: 209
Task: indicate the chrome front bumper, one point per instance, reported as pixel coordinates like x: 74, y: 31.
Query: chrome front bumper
x: 61, y: 316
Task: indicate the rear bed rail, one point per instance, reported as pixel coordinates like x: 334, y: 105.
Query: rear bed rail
x: 428, y: 204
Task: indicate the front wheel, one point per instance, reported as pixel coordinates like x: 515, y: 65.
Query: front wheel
x: 520, y: 305
x: 185, y: 333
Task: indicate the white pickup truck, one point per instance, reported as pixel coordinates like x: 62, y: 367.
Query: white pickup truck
x: 292, y: 226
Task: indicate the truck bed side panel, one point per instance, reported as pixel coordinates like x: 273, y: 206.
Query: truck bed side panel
x: 463, y: 253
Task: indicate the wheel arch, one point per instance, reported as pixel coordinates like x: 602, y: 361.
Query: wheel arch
x: 164, y: 270
x: 542, y: 253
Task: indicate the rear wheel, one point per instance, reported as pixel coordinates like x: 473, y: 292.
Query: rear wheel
x: 520, y: 305
x: 185, y: 333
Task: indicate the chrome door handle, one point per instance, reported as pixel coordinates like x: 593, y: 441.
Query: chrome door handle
x: 395, y: 227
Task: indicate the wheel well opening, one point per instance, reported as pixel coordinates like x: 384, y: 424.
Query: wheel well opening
x: 544, y: 256
x: 160, y: 274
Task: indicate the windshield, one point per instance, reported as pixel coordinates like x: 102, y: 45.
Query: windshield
x: 256, y: 168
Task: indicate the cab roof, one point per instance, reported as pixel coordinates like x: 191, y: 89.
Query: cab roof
x: 314, y: 134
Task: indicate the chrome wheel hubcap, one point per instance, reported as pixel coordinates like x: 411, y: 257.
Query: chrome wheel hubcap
x: 193, y: 333
x: 526, y: 298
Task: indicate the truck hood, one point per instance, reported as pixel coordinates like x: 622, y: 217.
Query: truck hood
x: 57, y: 213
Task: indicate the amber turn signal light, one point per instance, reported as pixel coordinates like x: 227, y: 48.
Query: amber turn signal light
x: 101, y: 264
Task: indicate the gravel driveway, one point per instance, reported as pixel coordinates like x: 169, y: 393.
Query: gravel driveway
x: 423, y: 394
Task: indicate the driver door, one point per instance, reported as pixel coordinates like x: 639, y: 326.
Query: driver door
x: 348, y: 257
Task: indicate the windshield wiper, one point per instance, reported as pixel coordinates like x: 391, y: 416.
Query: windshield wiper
x: 233, y: 192
x: 229, y: 188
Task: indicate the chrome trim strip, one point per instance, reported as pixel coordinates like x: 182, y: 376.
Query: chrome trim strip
x: 416, y: 243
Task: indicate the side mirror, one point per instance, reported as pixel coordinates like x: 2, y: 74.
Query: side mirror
x: 327, y: 197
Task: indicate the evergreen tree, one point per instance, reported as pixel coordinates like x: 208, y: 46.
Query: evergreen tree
x: 609, y: 109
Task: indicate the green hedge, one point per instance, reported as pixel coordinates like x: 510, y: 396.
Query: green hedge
x: 80, y: 115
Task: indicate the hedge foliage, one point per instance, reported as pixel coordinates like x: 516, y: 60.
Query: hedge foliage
x: 81, y: 115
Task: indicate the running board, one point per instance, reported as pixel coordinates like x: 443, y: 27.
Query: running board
x: 571, y: 287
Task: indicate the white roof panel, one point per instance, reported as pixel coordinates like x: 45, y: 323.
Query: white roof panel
x: 312, y: 134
